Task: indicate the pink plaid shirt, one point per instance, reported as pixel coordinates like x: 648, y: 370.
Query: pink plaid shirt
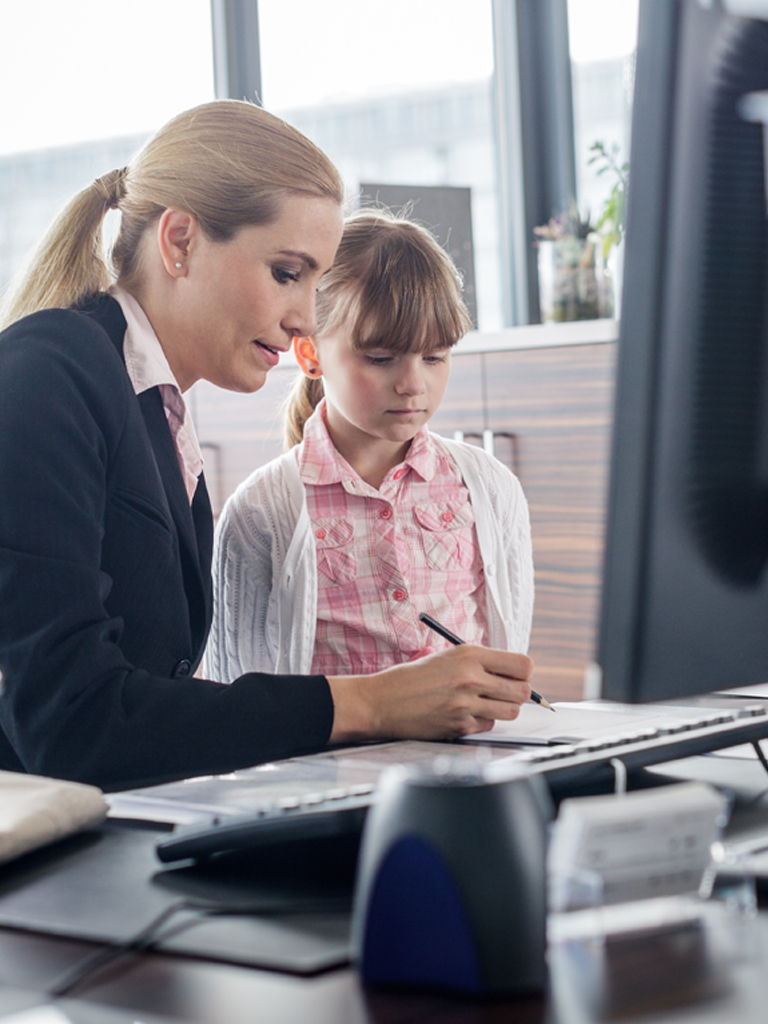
x: 385, y: 556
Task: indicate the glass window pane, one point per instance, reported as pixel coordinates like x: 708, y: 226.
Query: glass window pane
x: 84, y: 82
x: 603, y: 37
x: 396, y: 94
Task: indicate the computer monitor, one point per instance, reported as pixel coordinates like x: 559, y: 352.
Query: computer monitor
x: 685, y: 587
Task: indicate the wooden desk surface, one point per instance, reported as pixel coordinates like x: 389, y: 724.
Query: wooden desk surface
x: 664, y: 979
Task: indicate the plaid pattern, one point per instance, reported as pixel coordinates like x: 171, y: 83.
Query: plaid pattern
x: 385, y: 556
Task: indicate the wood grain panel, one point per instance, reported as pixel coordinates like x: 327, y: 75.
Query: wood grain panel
x: 239, y: 432
x: 559, y: 402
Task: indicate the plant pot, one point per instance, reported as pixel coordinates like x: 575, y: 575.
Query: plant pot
x: 574, y: 283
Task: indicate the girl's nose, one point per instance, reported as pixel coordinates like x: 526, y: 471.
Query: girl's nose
x: 410, y: 380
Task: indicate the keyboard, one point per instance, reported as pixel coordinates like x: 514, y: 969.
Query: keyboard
x: 568, y: 767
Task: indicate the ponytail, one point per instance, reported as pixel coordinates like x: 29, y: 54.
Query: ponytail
x: 303, y: 399
x: 69, y: 263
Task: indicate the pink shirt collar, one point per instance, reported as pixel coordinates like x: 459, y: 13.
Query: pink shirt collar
x: 147, y: 368
x: 320, y: 463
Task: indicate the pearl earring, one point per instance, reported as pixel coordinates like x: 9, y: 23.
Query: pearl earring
x: 178, y: 266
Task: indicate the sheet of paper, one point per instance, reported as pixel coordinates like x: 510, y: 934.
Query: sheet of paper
x: 571, y: 722
x: 760, y: 690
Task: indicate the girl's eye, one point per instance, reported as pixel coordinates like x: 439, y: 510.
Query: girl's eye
x: 282, y: 275
x: 379, y: 360
x: 434, y: 360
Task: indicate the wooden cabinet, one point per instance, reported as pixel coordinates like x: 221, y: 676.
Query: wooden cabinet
x: 550, y: 409
x: 556, y: 403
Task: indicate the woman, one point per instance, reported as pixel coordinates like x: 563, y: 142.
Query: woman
x: 229, y: 218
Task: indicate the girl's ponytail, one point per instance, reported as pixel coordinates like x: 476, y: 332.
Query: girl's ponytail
x: 303, y: 399
x: 69, y: 263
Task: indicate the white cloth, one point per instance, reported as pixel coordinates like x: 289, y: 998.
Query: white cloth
x: 265, y: 566
x: 35, y: 810
x: 148, y: 367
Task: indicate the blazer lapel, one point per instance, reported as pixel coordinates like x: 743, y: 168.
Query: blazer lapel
x: 196, y: 575
x: 194, y: 526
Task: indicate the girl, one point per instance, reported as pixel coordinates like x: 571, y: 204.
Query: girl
x: 326, y: 557
x: 228, y: 219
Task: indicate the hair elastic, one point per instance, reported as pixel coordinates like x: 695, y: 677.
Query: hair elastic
x: 112, y: 187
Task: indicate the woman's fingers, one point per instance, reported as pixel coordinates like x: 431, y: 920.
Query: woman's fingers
x: 448, y: 694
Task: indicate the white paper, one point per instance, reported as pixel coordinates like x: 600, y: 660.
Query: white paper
x: 648, y: 843
x: 37, y: 1015
x: 572, y: 722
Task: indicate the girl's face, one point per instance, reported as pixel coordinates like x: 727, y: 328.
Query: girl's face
x: 379, y: 394
x: 238, y: 304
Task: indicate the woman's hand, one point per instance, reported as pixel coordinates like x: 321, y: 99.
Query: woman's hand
x: 452, y: 693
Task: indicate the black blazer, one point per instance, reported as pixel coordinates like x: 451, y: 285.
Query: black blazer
x: 105, y: 590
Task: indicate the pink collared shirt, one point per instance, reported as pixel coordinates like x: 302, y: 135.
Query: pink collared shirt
x: 384, y: 556
x: 147, y: 368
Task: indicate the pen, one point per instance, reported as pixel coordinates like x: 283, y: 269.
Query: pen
x: 452, y: 638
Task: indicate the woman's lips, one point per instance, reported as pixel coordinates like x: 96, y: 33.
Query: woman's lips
x: 272, y: 355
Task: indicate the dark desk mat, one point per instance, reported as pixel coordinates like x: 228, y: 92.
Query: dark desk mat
x: 288, y: 907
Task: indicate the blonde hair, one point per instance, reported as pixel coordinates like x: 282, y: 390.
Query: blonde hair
x: 229, y: 163
x: 392, y: 286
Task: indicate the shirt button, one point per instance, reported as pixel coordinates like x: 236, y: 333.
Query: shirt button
x: 398, y: 474
x: 399, y: 595
x: 320, y: 534
x: 386, y: 513
x: 447, y: 517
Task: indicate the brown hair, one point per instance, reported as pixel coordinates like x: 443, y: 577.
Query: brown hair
x: 228, y: 163
x: 393, y: 287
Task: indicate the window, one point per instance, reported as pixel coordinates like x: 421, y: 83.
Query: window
x: 397, y: 94
x: 603, y: 38
x: 84, y: 82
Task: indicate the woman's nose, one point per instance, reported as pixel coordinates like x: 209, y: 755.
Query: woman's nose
x: 301, y: 319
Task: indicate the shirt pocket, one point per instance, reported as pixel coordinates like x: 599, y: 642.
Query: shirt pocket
x: 336, y: 562
x: 447, y: 534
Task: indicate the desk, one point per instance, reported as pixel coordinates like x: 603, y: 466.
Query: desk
x: 163, y: 986
x: 204, y: 993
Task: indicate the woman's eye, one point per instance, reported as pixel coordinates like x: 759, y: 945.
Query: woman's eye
x: 282, y: 275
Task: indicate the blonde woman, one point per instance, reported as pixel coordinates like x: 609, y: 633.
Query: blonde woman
x: 229, y: 219
x: 325, y: 558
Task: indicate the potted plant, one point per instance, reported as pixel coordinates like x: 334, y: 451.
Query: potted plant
x: 574, y: 283
x: 610, y: 223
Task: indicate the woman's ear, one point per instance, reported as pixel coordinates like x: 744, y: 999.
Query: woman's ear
x: 306, y: 354
x: 175, y: 231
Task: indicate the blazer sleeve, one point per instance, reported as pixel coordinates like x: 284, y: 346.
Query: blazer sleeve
x: 73, y: 705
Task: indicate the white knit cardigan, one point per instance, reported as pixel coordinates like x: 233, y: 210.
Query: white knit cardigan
x: 265, y: 566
